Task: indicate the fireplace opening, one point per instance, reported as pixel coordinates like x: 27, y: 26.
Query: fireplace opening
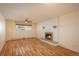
x: 48, y: 35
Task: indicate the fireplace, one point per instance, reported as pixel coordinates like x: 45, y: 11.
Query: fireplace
x: 48, y: 35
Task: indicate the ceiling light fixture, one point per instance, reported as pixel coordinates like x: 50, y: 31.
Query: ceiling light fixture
x: 28, y: 21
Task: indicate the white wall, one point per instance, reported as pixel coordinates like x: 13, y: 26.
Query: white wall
x: 69, y: 31
x: 48, y: 24
x: 12, y: 33
x: 2, y: 31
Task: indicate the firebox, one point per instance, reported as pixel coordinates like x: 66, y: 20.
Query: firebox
x: 48, y: 35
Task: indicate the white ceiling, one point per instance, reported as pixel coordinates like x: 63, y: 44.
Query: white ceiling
x: 36, y: 12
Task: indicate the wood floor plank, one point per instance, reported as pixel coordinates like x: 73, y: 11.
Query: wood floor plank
x: 34, y: 47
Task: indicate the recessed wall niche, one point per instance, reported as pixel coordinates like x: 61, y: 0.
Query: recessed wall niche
x: 54, y: 26
x: 43, y: 27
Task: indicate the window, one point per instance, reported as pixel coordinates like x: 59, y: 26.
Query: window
x: 23, y: 27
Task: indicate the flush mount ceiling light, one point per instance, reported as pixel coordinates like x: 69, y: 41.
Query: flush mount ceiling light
x: 28, y: 21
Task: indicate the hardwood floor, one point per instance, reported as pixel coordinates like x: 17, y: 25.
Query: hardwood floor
x: 34, y: 47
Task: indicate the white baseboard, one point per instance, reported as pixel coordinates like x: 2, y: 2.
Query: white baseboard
x: 68, y: 48
x: 51, y: 43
